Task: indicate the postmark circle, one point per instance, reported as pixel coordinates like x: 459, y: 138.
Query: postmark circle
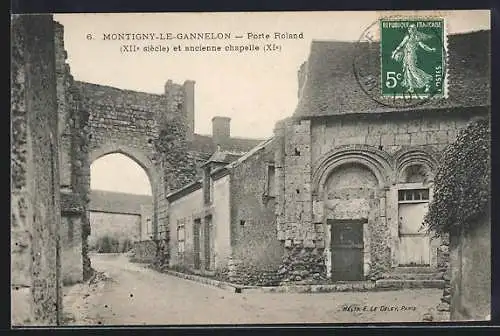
x: 392, y: 67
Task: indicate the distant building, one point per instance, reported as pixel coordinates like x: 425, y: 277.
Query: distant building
x: 120, y: 215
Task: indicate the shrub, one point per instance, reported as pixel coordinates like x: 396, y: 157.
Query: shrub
x: 109, y: 244
x: 462, y: 183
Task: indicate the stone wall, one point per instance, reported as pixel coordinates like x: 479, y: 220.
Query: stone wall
x: 294, y: 221
x: 120, y: 226
x: 144, y: 251
x: 35, y: 209
x: 74, y: 170
x: 470, y: 266
x: 256, y: 251
x: 390, y: 132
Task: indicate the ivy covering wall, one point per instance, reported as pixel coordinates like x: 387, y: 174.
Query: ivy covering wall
x: 462, y: 183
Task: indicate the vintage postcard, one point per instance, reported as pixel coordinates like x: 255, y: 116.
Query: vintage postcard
x: 250, y: 168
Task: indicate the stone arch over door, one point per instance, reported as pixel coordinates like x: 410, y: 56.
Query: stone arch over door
x: 152, y: 169
x: 349, y: 186
x: 378, y: 161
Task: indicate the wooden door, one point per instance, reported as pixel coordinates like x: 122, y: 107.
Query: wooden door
x: 207, y: 247
x: 347, y: 250
x: 414, y: 249
x: 196, y: 244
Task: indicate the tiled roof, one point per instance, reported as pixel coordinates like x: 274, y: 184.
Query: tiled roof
x: 331, y: 87
x: 115, y: 202
x: 250, y: 153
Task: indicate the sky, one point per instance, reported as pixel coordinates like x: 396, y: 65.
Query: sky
x: 254, y: 89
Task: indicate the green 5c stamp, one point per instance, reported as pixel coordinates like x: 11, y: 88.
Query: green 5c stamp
x: 412, y: 58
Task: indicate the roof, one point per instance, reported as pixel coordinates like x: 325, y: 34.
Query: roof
x: 205, y: 144
x: 250, y: 153
x: 185, y: 190
x: 234, y: 161
x: 222, y: 156
x: 115, y: 202
x: 331, y: 87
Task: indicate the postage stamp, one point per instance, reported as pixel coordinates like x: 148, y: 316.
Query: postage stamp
x: 413, y: 58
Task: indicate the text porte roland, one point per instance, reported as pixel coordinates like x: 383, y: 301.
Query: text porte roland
x: 275, y: 35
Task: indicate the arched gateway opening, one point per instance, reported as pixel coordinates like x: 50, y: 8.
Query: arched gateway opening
x: 121, y: 204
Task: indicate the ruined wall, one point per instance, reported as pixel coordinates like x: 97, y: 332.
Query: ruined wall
x: 74, y: 169
x: 35, y: 212
x: 150, y: 129
x: 256, y: 249
x: 470, y: 259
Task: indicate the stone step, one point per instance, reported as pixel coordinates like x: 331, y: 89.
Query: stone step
x: 399, y: 284
x: 414, y: 276
x: 413, y: 269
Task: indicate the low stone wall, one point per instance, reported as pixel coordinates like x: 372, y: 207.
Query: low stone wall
x: 303, y: 265
x: 144, y: 251
x: 250, y: 275
x: 299, y: 266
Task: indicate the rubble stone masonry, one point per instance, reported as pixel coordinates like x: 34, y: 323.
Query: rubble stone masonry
x: 257, y: 254
x: 35, y: 210
x: 74, y: 170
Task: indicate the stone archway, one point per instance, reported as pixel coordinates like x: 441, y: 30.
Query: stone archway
x: 152, y: 169
x: 349, y: 189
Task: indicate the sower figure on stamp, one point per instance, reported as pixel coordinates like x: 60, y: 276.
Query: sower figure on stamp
x: 413, y: 76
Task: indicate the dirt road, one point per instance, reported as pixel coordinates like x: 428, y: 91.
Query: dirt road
x: 131, y: 294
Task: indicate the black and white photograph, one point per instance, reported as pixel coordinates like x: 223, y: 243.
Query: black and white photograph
x: 250, y: 168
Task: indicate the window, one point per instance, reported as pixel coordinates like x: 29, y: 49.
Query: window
x: 149, y: 228
x: 271, y: 181
x: 413, y: 195
x: 181, y: 236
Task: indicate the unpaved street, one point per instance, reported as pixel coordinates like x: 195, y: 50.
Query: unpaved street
x: 135, y: 295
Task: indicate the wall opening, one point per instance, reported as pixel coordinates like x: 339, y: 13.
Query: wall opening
x: 121, y: 204
x: 413, y: 202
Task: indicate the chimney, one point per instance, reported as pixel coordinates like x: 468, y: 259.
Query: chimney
x: 221, y: 130
x: 188, y: 107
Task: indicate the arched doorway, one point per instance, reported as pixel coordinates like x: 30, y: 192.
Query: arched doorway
x: 414, y: 194
x: 349, y: 194
x: 121, y: 203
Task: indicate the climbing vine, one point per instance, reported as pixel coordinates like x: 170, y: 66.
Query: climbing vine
x: 179, y: 168
x: 462, y: 183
